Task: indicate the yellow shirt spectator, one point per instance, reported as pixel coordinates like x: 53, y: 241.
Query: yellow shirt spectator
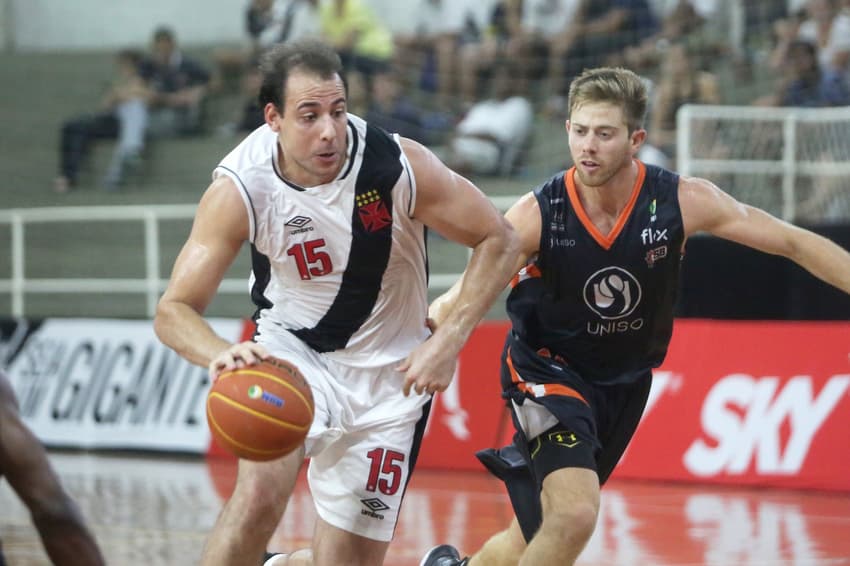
x: 349, y: 25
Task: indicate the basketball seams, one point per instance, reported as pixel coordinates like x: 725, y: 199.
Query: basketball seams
x: 307, y: 403
x: 256, y: 413
x: 232, y: 441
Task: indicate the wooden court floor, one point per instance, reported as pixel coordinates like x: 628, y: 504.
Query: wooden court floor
x: 157, y: 511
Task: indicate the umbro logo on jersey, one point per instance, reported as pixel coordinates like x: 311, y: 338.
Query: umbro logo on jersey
x: 298, y: 221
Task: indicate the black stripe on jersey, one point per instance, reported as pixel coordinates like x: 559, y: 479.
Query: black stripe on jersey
x: 352, y: 155
x: 261, y: 267
x: 369, y: 253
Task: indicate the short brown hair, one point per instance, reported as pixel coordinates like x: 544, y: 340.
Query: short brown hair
x: 615, y: 85
x: 277, y: 63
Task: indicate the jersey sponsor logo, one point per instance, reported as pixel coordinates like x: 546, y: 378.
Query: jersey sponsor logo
x: 373, y: 507
x: 752, y: 421
x: 654, y: 255
x: 653, y: 235
x: 373, y: 213
x: 612, y: 293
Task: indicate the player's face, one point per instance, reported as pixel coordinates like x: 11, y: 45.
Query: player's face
x: 312, y: 129
x: 600, y: 143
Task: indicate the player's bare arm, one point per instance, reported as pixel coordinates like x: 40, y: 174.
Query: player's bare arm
x: 454, y: 207
x: 707, y: 208
x: 218, y: 232
x: 524, y: 216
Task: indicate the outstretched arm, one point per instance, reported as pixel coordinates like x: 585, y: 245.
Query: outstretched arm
x: 454, y: 207
x: 24, y: 462
x: 706, y: 208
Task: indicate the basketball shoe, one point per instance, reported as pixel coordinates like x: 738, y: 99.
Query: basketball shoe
x: 443, y: 555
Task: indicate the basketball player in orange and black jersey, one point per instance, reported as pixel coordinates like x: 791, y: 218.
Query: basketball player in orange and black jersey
x: 591, y: 314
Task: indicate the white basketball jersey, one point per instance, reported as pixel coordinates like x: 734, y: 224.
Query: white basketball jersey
x: 343, y: 265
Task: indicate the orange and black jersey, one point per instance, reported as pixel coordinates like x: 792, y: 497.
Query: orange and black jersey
x: 602, y: 303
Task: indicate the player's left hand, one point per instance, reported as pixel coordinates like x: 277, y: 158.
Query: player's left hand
x: 430, y: 367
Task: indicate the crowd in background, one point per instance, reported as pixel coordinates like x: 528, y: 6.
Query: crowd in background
x: 471, y: 76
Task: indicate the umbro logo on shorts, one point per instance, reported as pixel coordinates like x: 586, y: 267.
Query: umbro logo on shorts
x: 373, y: 507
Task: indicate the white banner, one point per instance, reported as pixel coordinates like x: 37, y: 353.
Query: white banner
x: 95, y: 383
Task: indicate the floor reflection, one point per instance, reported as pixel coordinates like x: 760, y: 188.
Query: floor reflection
x: 157, y: 510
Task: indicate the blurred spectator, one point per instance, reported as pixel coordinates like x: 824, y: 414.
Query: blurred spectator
x: 541, y: 26
x: 433, y: 46
x: 477, y: 58
x: 179, y: 85
x: 803, y: 82
x: 493, y: 135
x: 122, y: 115
x: 821, y: 24
x: 364, y: 44
x: 158, y: 96
x: 680, y: 82
x: 249, y: 115
x: 600, y: 29
x: 394, y: 111
x: 681, y: 22
x: 266, y: 22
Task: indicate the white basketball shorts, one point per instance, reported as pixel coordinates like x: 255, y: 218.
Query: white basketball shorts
x: 363, y: 441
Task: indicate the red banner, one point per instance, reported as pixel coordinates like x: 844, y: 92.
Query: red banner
x: 740, y: 403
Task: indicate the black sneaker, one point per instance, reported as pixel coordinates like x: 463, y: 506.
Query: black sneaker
x: 443, y: 555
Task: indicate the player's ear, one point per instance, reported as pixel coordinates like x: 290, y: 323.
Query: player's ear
x: 637, y: 138
x: 567, y: 125
x: 272, y: 115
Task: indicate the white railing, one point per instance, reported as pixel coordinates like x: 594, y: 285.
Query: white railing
x: 790, y: 165
x: 152, y: 284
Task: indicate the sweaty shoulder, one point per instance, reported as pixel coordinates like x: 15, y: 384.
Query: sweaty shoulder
x: 700, y: 201
x: 223, y: 205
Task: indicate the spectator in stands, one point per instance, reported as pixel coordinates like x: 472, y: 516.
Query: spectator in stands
x: 492, y: 136
x: 122, y: 115
x: 163, y: 96
x: 266, y: 22
x: 822, y: 24
x: 542, y: 27
x: 362, y: 41
x: 804, y: 82
x: 680, y: 82
x: 24, y: 463
x: 600, y: 29
x: 249, y: 114
x: 441, y: 26
x: 391, y: 109
x: 681, y: 22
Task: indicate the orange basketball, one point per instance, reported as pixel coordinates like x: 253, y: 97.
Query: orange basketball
x: 260, y: 412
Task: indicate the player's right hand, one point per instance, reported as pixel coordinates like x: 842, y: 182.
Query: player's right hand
x: 237, y: 356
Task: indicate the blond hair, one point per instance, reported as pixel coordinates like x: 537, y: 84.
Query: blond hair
x: 614, y: 85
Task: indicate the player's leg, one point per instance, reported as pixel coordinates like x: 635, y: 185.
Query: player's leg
x: 502, y: 549
x: 570, y: 499
x: 253, y: 511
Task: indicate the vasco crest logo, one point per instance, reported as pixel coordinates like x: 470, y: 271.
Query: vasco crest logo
x: 612, y: 292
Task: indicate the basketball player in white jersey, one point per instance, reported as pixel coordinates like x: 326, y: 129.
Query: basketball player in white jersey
x: 335, y: 212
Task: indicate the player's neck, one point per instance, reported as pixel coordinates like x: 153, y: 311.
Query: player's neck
x: 613, y: 196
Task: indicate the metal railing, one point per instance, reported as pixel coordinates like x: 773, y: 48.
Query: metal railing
x: 152, y: 284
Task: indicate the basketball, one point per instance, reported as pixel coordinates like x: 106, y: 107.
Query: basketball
x: 262, y: 411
